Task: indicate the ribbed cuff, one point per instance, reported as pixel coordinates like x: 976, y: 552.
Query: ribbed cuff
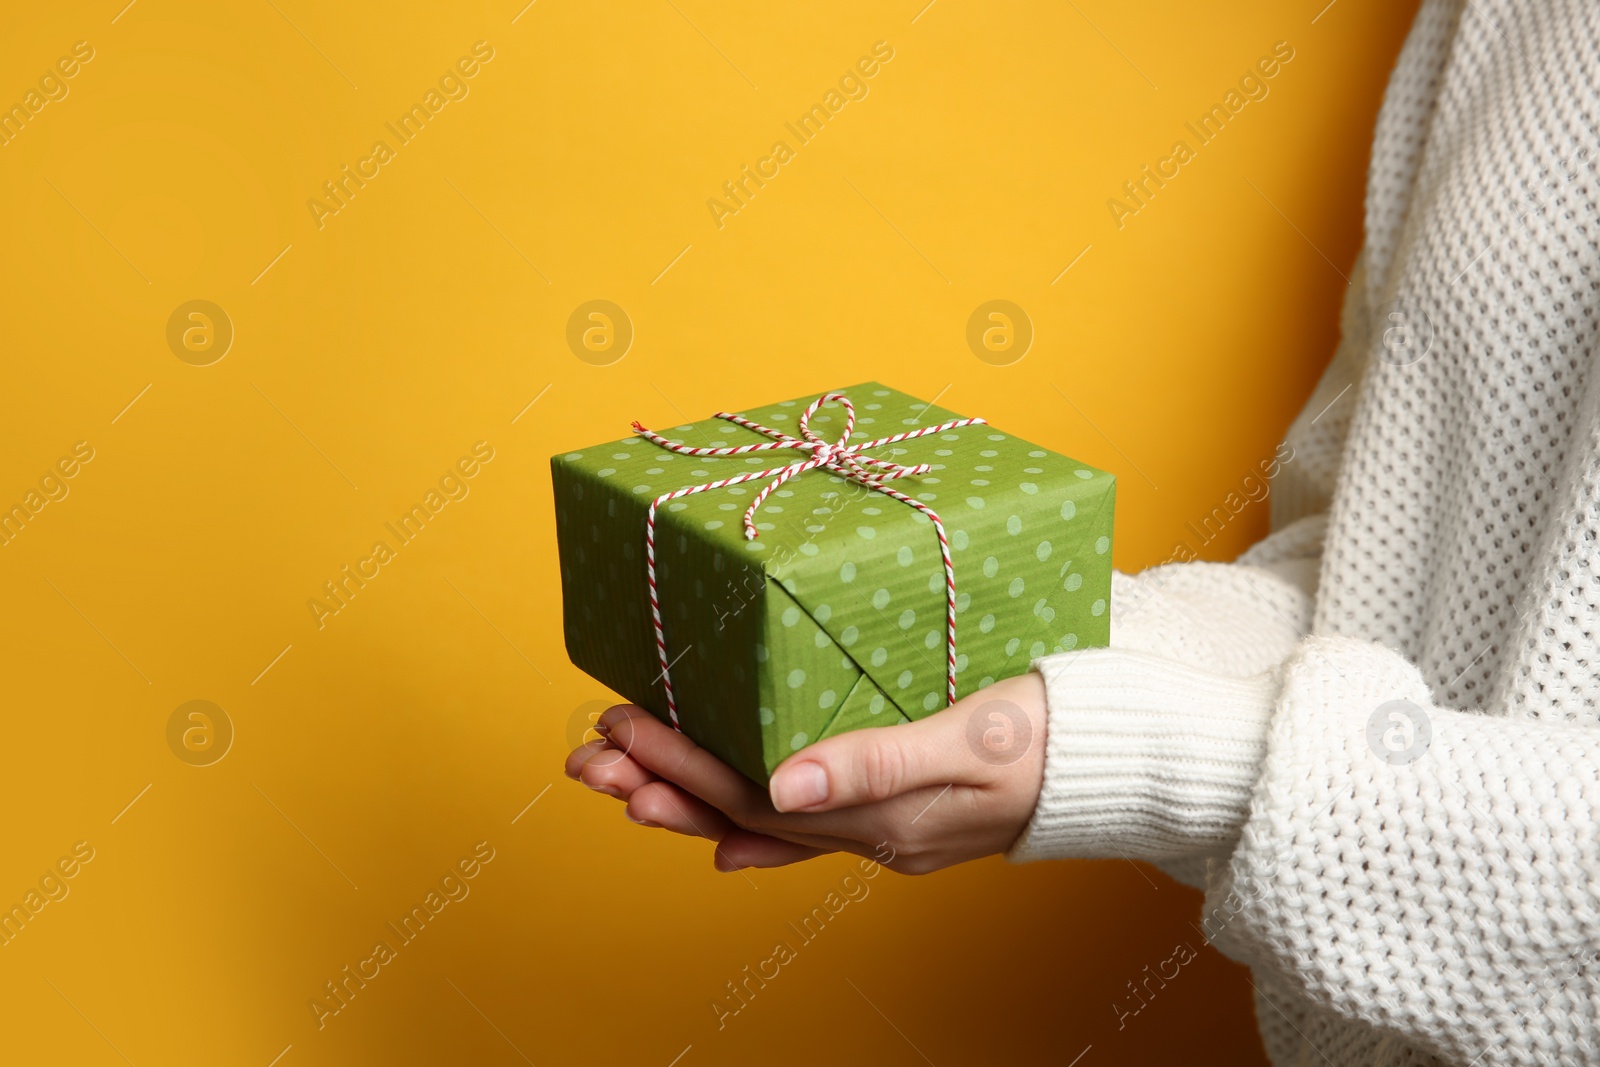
x: 1145, y: 758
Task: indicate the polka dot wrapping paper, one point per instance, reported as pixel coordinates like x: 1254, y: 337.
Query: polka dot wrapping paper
x: 834, y: 617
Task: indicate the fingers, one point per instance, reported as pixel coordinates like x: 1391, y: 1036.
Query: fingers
x: 662, y: 804
x: 580, y: 755
x: 666, y: 753
x: 876, y: 764
x: 741, y: 848
x: 612, y: 772
x: 592, y: 749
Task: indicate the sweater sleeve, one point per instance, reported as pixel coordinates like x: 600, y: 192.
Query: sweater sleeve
x: 1431, y: 872
x: 1138, y: 763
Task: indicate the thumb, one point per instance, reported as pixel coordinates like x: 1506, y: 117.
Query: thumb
x: 876, y: 763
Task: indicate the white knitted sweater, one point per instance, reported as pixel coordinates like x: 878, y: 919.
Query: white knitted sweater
x: 1375, y: 739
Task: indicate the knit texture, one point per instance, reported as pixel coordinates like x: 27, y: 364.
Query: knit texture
x: 1413, y: 875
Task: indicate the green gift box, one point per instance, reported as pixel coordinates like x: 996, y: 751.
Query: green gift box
x: 834, y: 616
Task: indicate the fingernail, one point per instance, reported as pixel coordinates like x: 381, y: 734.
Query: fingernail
x: 638, y: 822
x: 799, y: 786
x: 723, y: 864
x: 610, y: 791
x: 601, y: 728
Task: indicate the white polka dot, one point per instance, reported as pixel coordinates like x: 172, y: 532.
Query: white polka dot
x: 930, y: 701
x: 904, y: 681
x: 933, y: 639
x: 991, y: 567
x: 975, y: 502
x: 1016, y: 587
x: 1014, y: 525
x: 904, y: 556
x: 986, y: 624
x: 822, y: 613
x: 767, y: 717
x: 1101, y: 545
x: 1085, y: 475
x: 876, y: 704
x: 867, y: 532
x: 1011, y: 646
x: 798, y: 741
x: 714, y: 524
x: 880, y: 599
x: 1068, y: 509
x: 880, y: 656
x: 959, y: 540
x: 797, y: 678
x: 791, y: 616
x: 1097, y: 608
x: 1073, y: 583
x: 1029, y: 488
x: 847, y: 573
x: 827, y: 698
x: 849, y: 636
x: 1036, y: 650
x: 1043, y: 551
x: 907, y: 618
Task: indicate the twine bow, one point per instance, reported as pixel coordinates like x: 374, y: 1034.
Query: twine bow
x: 842, y: 457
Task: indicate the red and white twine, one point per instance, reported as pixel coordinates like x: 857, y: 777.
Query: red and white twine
x: 841, y: 457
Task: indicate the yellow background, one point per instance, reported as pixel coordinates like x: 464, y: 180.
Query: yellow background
x: 425, y: 316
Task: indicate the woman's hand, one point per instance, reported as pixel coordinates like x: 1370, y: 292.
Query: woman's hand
x: 955, y: 786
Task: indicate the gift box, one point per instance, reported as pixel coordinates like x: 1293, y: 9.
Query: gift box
x: 767, y: 579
